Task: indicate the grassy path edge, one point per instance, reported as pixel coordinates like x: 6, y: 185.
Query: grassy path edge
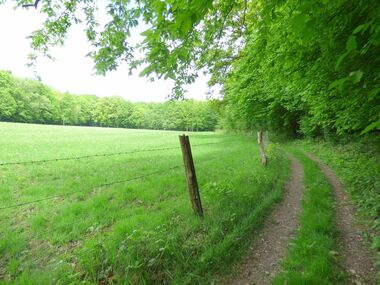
x: 357, y: 259
x: 263, y: 258
x: 313, y: 256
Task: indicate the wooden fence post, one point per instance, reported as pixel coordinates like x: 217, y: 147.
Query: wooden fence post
x: 191, y: 177
x: 264, y: 160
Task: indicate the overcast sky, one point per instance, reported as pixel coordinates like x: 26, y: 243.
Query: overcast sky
x: 72, y: 71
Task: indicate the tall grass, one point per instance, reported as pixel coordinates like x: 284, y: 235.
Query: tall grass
x: 140, y: 232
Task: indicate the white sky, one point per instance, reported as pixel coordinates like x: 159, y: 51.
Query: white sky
x: 72, y: 71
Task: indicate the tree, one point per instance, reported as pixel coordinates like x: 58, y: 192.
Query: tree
x: 181, y: 36
x: 42, y: 104
x: 86, y: 105
x: 138, y: 115
x: 68, y: 111
x: 8, y: 106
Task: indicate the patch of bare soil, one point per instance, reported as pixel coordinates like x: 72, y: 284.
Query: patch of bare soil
x: 264, y: 256
x: 358, y: 261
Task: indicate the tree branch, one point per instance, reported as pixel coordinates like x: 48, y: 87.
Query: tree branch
x: 31, y: 5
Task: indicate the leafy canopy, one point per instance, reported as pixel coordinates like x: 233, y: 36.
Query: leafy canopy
x: 179, y: 36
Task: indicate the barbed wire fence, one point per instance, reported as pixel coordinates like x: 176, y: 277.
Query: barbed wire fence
x: 70, y: 225
x: 99, y: 186
x: 92, y: 188
x: 103, y: 185
x: 98, y: 155
x: 86, y: 230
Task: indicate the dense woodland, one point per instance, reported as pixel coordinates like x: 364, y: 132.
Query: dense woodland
x: 30, y: 101
x: 308, y: 68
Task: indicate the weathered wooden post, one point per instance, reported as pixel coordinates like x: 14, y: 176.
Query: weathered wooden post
x: 261, y: 147
x: 191, y: 177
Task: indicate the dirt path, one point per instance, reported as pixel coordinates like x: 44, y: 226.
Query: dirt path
x: 264, y: 257
x: 358, y: 261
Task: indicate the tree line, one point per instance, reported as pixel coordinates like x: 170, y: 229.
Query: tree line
x: 30, y: 101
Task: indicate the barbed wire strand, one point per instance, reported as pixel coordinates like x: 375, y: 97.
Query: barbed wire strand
x: 83, y: 157
x: 101, y: 225
x: 101, y: 185
x: 99, y: 155
x: 93, y: 188
x: 195, y: 159
x: 97, y: 224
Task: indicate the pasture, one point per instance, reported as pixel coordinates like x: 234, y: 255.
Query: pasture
x: 114, y: 207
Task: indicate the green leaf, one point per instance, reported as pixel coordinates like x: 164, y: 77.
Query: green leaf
x: 356, y: 76
x: 340, y: 59
x: 338, y: 84
x: 371, y: 127
x: 186, y: 26
x: 170, y: 74
x: 361, y: 28
x: 372, y: 95
x: 351, y: 44
x: 147, y: 70
x: 298, y: 23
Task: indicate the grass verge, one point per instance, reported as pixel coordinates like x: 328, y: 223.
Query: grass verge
x: 312, y: 253
x: 358, y: 166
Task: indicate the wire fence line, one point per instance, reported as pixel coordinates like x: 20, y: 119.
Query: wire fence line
x: 87, y: 230
x: 99, y: 155
x: 83, y: 157
x: 63, y: 195
x: 197, y: 161
x: 92, y: 227
x: 96, y: 224
x: 104, y: 185
x: 91, y: 223
x: 92, y: 188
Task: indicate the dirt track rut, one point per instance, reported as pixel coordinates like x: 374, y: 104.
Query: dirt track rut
x: 357, y: 260
x: 264, y: 257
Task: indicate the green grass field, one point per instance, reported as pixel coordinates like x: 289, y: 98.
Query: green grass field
x: 141, y: 231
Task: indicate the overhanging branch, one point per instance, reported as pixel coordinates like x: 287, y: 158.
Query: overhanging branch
x: 31, y: 5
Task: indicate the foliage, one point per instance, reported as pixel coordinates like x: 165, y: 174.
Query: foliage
x: 177, y: 36
x: 7, y: 105
x: 308, y: 67
x: 30, y: 101
x: 141, y: 232
x: 312, y: 255
x: 300, y: 67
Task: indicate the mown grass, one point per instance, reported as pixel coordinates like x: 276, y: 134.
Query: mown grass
x: 312, y: 253
x: 358, y: 166
x: 140, y: 232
